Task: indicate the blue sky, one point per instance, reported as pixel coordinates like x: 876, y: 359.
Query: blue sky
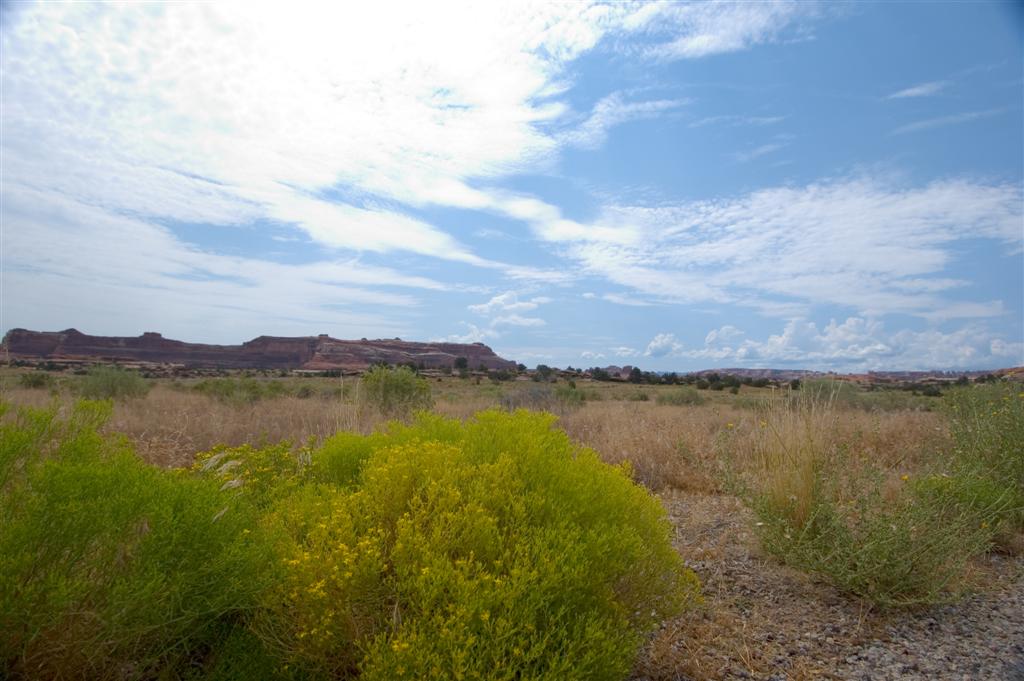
x: 674, y: 186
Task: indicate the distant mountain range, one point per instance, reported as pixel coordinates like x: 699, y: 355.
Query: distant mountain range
x: 313, y: 353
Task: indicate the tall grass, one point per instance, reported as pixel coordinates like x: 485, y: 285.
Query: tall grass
x: 111, y: 568
x: 825, y: 507
x: 987, y: 462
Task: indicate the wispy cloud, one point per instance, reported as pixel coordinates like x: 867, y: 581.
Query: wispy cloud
x: 757, y: 152
x: 703, y: 29
x: 736, y: 121
x: 868, y: 246
x: 614, y: 110
x: 943, y: 121
x: 922, y: 90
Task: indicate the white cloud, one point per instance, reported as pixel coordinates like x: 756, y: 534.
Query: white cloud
x: 871, y: 247
x: 116, y: 274
x: 922, y: 90
x: 943, y: 121
x: 663, y: 344
x: 701, y: 29
x: 517, y: 320
x: 757, y: 152
x: 722, y: 335
x: 509, y: 302
x: 861, y: 344
x: 612, y: 110
x: 474, y: 334
x: 588, y: 354
x: 736, y: 121
x: 620, y: 299
x: 625, y: 351
x: 229, y: 113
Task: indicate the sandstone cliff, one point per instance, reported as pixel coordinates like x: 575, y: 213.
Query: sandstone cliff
x: 265, y: 352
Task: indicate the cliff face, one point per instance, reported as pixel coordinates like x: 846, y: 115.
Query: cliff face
x: 265, y: 352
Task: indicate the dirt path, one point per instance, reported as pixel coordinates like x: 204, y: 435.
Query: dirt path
x: 762, y: 620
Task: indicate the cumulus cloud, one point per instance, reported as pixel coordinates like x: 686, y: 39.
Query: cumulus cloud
x: 663, y: 344
x: 861, y: 344
x: 722, y: 335
x: 589, y: 354
x: 508, y: 302
x: 474, y: 334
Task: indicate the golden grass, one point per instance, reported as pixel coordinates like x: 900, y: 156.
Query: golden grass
x: 684, y: 447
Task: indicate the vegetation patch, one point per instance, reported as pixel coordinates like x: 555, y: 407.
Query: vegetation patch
x: 394, y: 392
x: 491, y: 549
x: 891, y: 539
x: 112, y: 383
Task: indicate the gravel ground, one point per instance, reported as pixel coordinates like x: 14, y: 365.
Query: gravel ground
x: 762, y: 620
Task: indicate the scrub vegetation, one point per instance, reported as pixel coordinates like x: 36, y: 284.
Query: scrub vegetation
x: 396, y: 526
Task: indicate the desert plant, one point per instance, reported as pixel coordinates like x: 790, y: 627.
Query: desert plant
x: 492, y: 549
x: 36, y: 379
x: 987, y: 463
x: 683, y: 396
x: 825, y: 510
x: 110, y: 568
x: 394, y: 392
x: 112, y: 383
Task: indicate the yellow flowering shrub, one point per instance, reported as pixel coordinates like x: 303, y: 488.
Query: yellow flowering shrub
x: 486, y: 550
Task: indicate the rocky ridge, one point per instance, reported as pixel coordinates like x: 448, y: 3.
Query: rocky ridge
x: 312, y: 353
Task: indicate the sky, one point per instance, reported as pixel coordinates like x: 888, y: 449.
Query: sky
x: 675, y: 186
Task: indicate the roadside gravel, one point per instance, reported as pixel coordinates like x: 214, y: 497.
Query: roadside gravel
x: 763, y: 620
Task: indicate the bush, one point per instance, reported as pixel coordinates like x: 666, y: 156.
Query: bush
x: 395, y: 393
x: 681, y: 397
x: 112, y: 383
x: 244, y: 390
x: 825, y: 512
x: 110, y: 568
x: 987, y: 463
x: 493, y: 549
x: 36, y: 380
x: 905, y: 552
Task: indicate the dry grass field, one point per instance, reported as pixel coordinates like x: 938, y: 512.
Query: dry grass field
x: 761, y: 618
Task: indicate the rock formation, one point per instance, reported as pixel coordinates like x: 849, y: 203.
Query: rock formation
x: 265, y: 352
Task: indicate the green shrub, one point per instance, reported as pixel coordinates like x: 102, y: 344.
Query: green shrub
x: 110, y: 568
x: 36, y: 379
x: 827, y: 512
x: 568, y: 396
x: 394, y: 392
x: 245, y: 390
x: 112, y: 383
x: 987, y: 425
x: 906, y: 551
x: 261, y: 473
x: 493, y: 549
x: 681, y: 397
